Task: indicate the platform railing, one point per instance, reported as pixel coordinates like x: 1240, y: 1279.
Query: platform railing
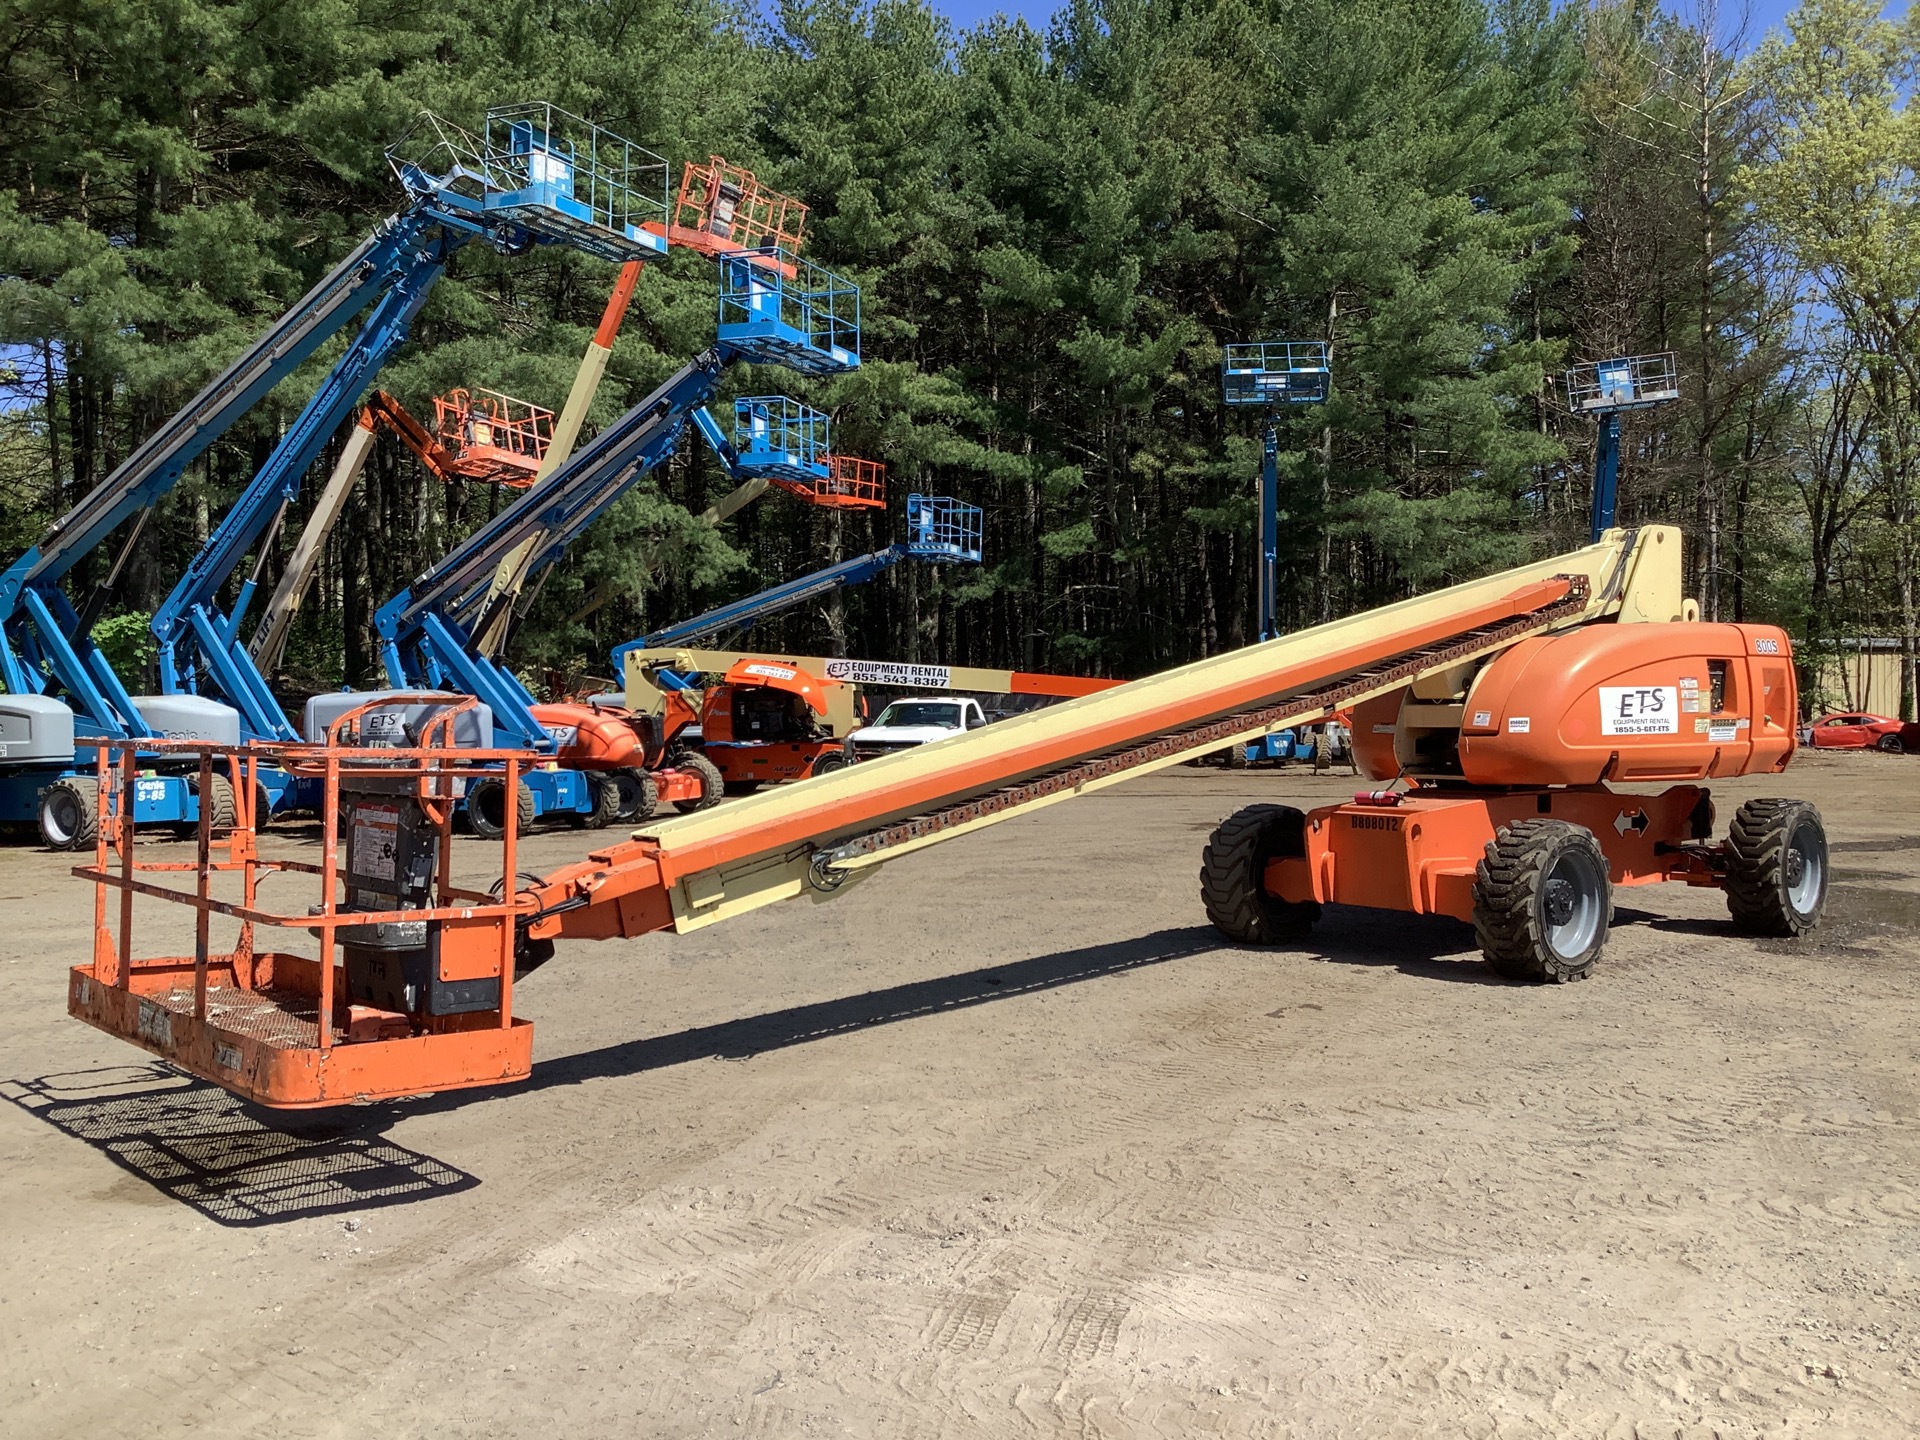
x: 266, y: 1021
x: 778, y: 308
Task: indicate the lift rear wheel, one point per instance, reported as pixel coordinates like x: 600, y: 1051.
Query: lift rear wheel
x: 1233, y: 872
x: 639, y: 795
x: 487, y: 807
x: 713, y: 788
x: 827, y: 764
x: 1776, y: 867
x: 70, y: 814
x: 219, y: 800
x: 1542, y: 901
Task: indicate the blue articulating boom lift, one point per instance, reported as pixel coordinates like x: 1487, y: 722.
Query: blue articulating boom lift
x: 775, y: 309
x: 516, y: 187
x: 62, y: 693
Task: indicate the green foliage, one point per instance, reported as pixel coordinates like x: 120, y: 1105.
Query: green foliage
x: 127, y: 642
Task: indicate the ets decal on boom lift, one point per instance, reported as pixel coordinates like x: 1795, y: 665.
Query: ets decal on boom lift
x: 1639, y: 710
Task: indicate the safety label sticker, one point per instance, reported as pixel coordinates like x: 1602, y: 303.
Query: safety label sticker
x: 1639, y: 710
x: 376, y: 836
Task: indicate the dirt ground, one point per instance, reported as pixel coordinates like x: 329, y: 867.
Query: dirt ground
x: 1006, y: 1142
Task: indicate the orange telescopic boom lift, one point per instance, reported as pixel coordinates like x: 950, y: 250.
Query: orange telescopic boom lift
x: 1504, y: 712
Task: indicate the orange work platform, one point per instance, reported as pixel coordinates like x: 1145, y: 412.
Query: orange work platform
x: 409, y: 984
x: 849, y: 484
x: 722, y: 209
x: 313, y: 1016
x: 493, y: 437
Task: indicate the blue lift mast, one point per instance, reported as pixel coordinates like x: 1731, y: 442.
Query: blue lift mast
x: 537, y: 177
x: 1270, y: 374
x: 1607, y: 389
x: 938, y: 529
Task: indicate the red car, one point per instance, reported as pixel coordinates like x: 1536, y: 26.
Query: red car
x: 1850, y: 730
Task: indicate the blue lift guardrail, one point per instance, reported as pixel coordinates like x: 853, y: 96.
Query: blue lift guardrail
x: 776, y: 308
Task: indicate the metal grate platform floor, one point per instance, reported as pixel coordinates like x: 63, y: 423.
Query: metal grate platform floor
x: 283, y: 1019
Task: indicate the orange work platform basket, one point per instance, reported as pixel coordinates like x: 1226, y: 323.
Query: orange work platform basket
x: 397, y: 982
x: 852, y: 484
x: 721, y: 209
x: 493, y: 437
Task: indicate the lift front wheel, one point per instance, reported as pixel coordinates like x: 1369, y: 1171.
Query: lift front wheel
x: 639, y: 795
x: 70, y: 814
x: 606, y: 803
x: 487, y: 808
x: 1233, y: 874
x: 1777, y: 867
x: 713, y: 787
x: 1542, y: 901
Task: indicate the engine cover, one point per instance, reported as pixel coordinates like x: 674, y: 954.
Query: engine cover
x: 35, y: 727
x: 191, y: 717
x: 390, y: 725
x: 1680, y: 701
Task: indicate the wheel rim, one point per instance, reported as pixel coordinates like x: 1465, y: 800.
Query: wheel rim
x: 489, y: 803
x: 627, y: 793
x: 62, y: 818
x: 1804, y: 868
x: 1572, y: 907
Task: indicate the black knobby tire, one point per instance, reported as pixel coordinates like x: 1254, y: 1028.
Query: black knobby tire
x: 486, y: 807
x: 70, y: 814
x: 827, y: 764
x: 1235, y: 756
x: 1776, y: 867
x: 1542, y: 901
x: 1233, y: 876
x: 219, y: 802
x: 639, y: 795
x: 713, y: 788
x: 606, y: 803
x: 1890, y: 745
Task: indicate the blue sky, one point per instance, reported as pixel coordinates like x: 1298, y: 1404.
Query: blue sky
x: 1763, y: 14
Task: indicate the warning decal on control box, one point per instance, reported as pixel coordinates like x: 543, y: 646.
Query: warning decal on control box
x: 1639, y: 710
x: 376, y: 840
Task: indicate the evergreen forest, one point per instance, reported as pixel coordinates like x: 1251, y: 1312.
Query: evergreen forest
x: 1055, y: 233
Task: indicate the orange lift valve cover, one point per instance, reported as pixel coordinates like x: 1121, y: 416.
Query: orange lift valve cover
x: 1632, y: 703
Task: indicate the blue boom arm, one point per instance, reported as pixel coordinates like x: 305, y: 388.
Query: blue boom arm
x: 197, y: 645
x: 43, y: 641
x: 741, y: 613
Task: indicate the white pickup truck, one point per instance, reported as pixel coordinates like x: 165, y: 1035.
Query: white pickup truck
x: 907, y: 723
